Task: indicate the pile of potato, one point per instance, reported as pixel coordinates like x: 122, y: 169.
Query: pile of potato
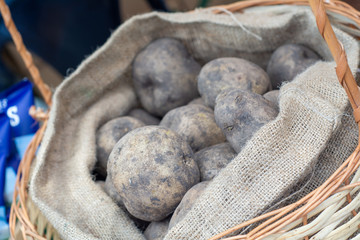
x: 193, y: 120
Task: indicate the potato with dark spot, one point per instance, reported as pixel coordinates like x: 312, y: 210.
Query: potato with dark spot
x: 196, y: 124
x: 157, y: 230
x: 229, y: 73
x: 108, y: 135
x: 164, y: 75
x: 197, y: 101
x: 212, y: 159
x: 288, y: 61
x: 144, y: 116
x: 240, y: 114
x: 152, y: 168
x: 273, y: 96
x: 187, y: 203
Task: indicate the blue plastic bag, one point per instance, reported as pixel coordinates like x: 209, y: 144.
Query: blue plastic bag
x: 4, y: 153
x: 17, y: 128
x: 16, y: 102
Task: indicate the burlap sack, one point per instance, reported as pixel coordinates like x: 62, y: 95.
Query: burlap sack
x: 312, y: 134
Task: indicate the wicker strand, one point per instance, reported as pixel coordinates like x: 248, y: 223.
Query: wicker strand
x: 348, y: 198
x: 305, y: 221
x: 24, y: 53
x: 337, y: 50
x: 18, y: 209
x: 311, y: 201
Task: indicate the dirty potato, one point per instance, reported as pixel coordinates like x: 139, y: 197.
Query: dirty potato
x: 187, y: 203
x: 197, y: 101
x: 212, y: 159
x: 151, y: 168
x: 164, y: 75
x: 114, y: 195
x: 111, y: 191
x: 144, y: 116
x: 229, y: 73
x: 157, y: 230
x: 288, y: 61
x: 108, y: 135
x: 273, y: 96
x: 196, y: 124
x: 240, y: 114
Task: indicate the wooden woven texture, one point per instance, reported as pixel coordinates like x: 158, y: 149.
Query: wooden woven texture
x: 27, y: 222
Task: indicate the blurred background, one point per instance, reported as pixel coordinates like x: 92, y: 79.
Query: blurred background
x: 61, y: 33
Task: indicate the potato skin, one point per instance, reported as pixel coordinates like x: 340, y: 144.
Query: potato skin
x: 196, y: 124
x: 111, y: 191
x: 157, y: 230
x: 197, y: 101
x: 151, y: 168
x: 240, y: 114
x: 227, y: 73
x: 108, y: 135
x: 273, y: 96
x: 144, y: 116
x: 164, y: 76
x: 187, y: 202
x: 212, y: 159
x: 288, y: 61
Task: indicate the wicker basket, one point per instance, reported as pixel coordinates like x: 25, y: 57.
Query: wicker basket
x: 26, y: 221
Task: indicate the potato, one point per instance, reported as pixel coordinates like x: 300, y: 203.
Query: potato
x: 196, y: 124
x: 111, y: 191
x: 144, y: 116
x: 197, y: 101
x: 108, y: 135
x: 187, y: 203
x: 288, y: 61
x: 151, y: 168
x: 212, y: 159
x: 164, y: 76
x: 157, y: 230
x: 140, y: 224
x: 240, y: 114
x: 273, y: 96
x: 227, y: 73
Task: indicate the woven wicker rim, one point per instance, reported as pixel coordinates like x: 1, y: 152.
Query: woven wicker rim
x: 278, y: 218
